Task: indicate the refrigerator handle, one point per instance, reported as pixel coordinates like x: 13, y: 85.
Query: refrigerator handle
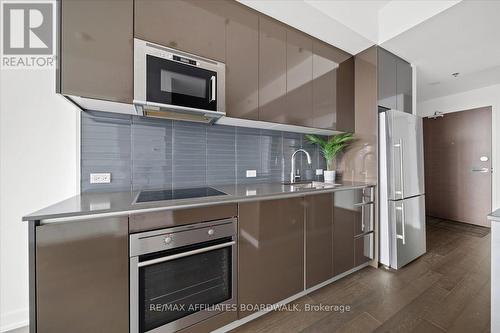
x: 403, y: 223
x: 399, y: 145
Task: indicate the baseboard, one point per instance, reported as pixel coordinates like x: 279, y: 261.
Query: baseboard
x: 14, y: 319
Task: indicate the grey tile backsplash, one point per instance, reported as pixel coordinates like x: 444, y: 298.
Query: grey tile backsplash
x: 146, y: 153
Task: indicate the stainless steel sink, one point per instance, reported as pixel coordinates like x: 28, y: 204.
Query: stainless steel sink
x: 310, y: 185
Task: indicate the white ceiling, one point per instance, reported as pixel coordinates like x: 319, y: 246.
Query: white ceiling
x: 464, y: 38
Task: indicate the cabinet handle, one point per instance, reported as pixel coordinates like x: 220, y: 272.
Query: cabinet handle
x: 361, y: 204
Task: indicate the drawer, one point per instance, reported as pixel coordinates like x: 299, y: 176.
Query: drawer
x: 168, y: 218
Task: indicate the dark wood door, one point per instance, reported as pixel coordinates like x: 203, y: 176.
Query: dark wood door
x: 457, y: 181
x: 194, y: 26
x: 97, y: 49
x: 404, y: 85
x: 242, y: 61
x: 319, y: 238
x: 272, y: 70
x: 270, y: 251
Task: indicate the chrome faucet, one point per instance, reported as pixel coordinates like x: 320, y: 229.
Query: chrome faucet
x: 293, y: 176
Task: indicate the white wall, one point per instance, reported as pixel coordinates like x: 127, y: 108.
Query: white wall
x: 39, y: 161
x: 488, y: 96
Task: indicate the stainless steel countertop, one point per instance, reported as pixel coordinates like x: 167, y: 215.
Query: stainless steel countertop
x: 494, y: 216
x: 88, y: 205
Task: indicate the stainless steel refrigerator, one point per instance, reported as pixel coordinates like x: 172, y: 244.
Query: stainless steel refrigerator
x: 402, y: 200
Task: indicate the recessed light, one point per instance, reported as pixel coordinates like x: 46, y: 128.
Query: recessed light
x: 435, y: 83
x: 456, y: 74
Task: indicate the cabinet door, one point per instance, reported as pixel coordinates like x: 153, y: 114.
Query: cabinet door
x: 270, y: 251
x: 345, y: 96
x: 82, y: 276
x: 194, y: 26
x: 404, y: 86
x: 272, y: 70
x: 363, y: 249
x: 242, y: 61
x: 345, y: 216
x: 319, y: 238
x: 298, y: 109
x: 97, y: 51
x: 387, y: 78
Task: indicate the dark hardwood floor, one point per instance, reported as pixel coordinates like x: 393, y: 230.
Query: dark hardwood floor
x: 446, y: 290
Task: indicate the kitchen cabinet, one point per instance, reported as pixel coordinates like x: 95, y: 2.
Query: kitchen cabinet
x: 345, y: 97
x: 96, y: 52
x: 81, y: 276
x: 272, y: 70
x: 194, y: 26
x: 299, y: 74
x: 242, y: 62
x: 394, y: 82
x: 319, y: 238
x: 404, y: 86
x: 352, y: 223
x: 270, y: 251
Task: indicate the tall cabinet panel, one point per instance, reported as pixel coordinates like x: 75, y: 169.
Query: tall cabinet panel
x: 345, y: 96
x: 319, y: 238
x: 387, y: 78
x: 242, y: 62
x: 404, y: 86
x: 270, y: 251
x: 298, y: 79
x: 96, y: 51
x: 272, y: 70
x: 324, y: 86
x: 194, y: 26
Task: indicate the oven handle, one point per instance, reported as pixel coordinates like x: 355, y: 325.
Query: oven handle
x: 184, y: 254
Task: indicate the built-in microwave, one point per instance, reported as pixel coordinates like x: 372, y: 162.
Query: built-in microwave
x: 177, y: 85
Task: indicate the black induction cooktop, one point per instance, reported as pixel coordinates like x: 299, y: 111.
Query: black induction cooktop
x: 182, y: 193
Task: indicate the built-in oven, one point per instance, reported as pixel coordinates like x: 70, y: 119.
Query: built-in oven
x: 173, y: 84
x: 182, y: 275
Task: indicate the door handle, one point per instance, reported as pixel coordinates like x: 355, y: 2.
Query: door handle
x: 403, y: 222
x: 399, y: 145
x: 213, y: 88
x: 482, y: 170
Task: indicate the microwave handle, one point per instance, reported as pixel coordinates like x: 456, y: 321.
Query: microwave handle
x: 213, y: 89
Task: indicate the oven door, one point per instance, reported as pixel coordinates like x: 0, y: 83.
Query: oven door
x: 174, y: 83
x: 173, y: 289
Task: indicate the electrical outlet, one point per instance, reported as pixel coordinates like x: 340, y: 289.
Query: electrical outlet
x: 100, y: 178
x: 251, y: 173
x: 319, y: 172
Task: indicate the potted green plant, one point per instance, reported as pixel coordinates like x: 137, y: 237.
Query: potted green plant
x: 329, y: 149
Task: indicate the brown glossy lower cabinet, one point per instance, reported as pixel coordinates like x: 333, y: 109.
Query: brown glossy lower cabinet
x: 271, y: 251
x: 82, y: 279
x: 319, y: 238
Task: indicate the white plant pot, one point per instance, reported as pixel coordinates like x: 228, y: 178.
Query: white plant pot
x: 329, y: 176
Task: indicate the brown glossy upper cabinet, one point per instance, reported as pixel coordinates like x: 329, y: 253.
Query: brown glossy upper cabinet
x: 327, y: 85
x: 96, y: 52
x: 319, y: 238
x: 242, y: 61
x: 194, y: 26
x: 394, y: 82
x: 270, y: 251
x: 299, y: 75
x: 272, y: 70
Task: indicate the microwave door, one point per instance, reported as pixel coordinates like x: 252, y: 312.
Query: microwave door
x: 174, y: 83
